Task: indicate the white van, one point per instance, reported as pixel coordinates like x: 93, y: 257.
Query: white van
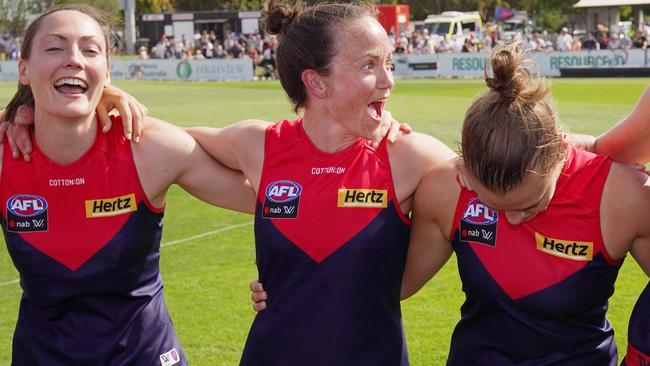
x: 455, y: 25
x: 517, y: 26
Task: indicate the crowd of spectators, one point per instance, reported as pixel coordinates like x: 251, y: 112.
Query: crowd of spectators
x: 206, y: 45
x: 260, y: 48
x: 9, y: 46
x: 421, y: 42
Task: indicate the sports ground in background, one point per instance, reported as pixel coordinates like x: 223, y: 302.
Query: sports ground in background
x: 206, y: 277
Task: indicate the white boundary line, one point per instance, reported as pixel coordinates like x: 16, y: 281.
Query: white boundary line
x: 227, y: 228
x: 173, y: 242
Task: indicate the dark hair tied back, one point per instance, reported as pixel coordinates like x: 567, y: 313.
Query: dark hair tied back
x: 280, y: 16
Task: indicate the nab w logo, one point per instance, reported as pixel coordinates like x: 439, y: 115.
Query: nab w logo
x: 26, y: 213
x: 282, y: 200
x: 479, y: 223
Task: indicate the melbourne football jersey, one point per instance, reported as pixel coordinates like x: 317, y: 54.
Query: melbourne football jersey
x: 86, y: 240
x: 537, y: 292
x: 638, y: 347
x: 331, y: 246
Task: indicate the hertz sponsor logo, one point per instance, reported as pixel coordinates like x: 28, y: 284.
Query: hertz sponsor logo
x: 111, y: 206
x: 363, y: 198
x: 569, y: 249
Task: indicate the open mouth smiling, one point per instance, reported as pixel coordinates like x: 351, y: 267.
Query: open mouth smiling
x: 71, y: 86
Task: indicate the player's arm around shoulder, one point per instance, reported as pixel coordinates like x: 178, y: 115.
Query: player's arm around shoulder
x: 411, y: 158
x: 239, y: 146
x: 624, y: 214
x: 166, y: 155
x: 434, y: 205
x: 628, y: 140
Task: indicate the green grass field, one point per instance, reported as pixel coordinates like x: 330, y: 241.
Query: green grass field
x: 206, y: 278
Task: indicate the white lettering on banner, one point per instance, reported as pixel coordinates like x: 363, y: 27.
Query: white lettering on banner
x: 210, y: 70
x: 548, y: 64
x: 595, y: 61
x: 172, y: 69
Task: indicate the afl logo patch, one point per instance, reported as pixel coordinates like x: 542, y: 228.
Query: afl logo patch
x: 26, y: 213
x: 282, y: 199
x: 479, y: 223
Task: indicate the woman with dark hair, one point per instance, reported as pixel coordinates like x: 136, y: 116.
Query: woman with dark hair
x: 332, y: 222
x: 332, y: 208
x: 539, y: 237
x: 83, y: 220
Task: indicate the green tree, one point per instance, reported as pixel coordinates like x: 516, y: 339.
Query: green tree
x: 548, y: 14
x: 13, y: 15
x: 153, y: 6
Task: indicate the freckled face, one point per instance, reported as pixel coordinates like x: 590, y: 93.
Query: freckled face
x: 360, y: 76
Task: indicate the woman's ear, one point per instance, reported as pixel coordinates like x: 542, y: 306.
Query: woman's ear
x: 23, y: 78
x: 315, y: 83
x: 462, y: 173
x: 107, y: 82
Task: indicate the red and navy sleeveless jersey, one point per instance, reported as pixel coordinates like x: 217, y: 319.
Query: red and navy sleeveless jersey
x: 86, y: 243
x: 638, y: 347
x: 537, y: 292
x: 331, y: 246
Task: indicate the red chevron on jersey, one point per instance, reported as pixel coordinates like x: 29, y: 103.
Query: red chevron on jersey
x: 49, y: 205
x: 301, y: 185
x: 552, y: 246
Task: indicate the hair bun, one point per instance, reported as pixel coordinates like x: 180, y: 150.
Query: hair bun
x: 279, y: 16
x: 510, y: 76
